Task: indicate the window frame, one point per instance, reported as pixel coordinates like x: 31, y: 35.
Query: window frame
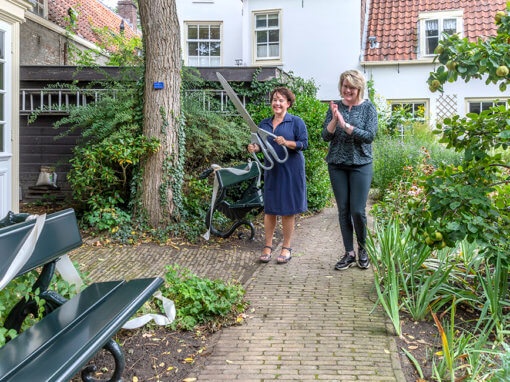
x: 481, y: 100
x: 273, y: 60
x: 440, y: 16
x: 6, y: 118
x: 36, y: 4
x: 187, y: 40
x: 413, y: 101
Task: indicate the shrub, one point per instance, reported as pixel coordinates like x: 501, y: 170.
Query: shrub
x: 392, y: 155
x: 200, y: 300
x: 103, y: 163
x: 211, y: 137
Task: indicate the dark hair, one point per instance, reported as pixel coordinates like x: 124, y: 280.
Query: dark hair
x: 286, y: 92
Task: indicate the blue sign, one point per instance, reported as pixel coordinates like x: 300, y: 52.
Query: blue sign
x: 159, y: 85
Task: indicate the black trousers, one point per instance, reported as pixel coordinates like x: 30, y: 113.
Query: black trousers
x: 351, y: 185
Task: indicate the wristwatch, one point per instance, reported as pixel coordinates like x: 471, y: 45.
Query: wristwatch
x: 347, y: 125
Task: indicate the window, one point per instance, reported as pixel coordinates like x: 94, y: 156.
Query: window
x: 267, y: 36
x: 478, y: 105
x: 415, y: 109
x: 434, y: 24
x: 40, y: 7
x: 203, y: 44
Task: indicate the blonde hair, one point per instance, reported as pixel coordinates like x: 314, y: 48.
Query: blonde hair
x: 356, y: 79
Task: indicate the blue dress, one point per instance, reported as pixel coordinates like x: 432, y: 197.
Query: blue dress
x: 285, y: 184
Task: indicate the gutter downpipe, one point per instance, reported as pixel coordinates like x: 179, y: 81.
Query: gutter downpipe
x: 365, y: 31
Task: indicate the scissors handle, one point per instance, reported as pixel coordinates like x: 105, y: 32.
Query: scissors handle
x: 256, y: 139
x: 264, y: 135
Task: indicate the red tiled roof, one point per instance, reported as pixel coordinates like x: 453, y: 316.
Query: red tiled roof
x: 394, y: 23
x: 90, y: 13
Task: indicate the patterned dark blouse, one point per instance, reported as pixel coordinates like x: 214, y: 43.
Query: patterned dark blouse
x: 354, y: 149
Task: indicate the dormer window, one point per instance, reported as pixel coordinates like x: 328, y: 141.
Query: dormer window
x: 432, y: 26
x: 40, y: 7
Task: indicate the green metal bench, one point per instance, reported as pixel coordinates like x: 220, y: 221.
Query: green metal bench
x: 71, y: 332
x: 235, y: 207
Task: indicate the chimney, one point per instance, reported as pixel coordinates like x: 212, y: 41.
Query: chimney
x: 127, y: 10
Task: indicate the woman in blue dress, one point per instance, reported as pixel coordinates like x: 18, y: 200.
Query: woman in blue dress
x: 285, y: 183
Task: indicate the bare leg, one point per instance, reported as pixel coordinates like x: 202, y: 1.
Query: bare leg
x: 269, y: 227
x: 288, y: 230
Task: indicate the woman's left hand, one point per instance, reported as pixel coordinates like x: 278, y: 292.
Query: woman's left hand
x: 281, y: 140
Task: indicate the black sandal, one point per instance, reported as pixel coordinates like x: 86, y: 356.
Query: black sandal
x: 285, y: 259
x: 266, y: 258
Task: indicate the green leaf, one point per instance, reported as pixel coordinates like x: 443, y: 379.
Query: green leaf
x: 454, y: 205
x: 504, y: 134
x: 453, y: 226
x: 472, y: 228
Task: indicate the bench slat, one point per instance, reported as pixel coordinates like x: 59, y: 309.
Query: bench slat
x: 23, y: 346
x: 60, y: 234
x: 80, y: 329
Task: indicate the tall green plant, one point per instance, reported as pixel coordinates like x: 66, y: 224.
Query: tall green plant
x: 380, y: 248
x: 495, y: 287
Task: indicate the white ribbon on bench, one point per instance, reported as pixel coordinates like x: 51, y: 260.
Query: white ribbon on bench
x: 68, y: 272
x: 25, y: 251
x: 159, y: 319
x: 216, y: 185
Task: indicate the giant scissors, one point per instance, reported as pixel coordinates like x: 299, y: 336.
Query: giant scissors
x: 258, y: 135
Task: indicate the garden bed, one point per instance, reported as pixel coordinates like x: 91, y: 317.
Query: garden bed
x: 156, y: 355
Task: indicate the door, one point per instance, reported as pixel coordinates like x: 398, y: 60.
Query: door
x: 5, y: 120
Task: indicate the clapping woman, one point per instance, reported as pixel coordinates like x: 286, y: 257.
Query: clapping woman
x: 350, y: 128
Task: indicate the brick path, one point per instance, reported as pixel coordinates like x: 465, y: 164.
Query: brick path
x: 306, y: 320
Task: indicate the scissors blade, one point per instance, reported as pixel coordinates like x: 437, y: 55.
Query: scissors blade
x: 237, y: 103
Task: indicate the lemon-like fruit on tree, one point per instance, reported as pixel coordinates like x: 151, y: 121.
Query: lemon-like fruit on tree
x: 502, y: 71
x: 451, y: 65
x: 438, y: 236
x: 429, y: 241
x: 499, y: 16
x: 434, y: 85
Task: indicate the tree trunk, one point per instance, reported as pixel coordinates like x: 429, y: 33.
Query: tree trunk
x: 160, y: 28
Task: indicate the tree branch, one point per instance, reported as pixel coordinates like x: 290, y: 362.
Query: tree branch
x: 500, y: 165
x: 497, y: 183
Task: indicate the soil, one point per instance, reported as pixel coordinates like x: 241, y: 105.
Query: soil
x: 155, y: 355
x: 422, y: 340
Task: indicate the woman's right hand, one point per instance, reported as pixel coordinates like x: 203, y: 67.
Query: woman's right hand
x: 337, y: 117
x: 253, y: 148
x: 334, y: 110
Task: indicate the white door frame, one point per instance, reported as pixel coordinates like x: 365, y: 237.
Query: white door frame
x: 6, y: 174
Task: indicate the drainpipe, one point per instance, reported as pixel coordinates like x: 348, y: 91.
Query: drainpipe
x: 365, y: 32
